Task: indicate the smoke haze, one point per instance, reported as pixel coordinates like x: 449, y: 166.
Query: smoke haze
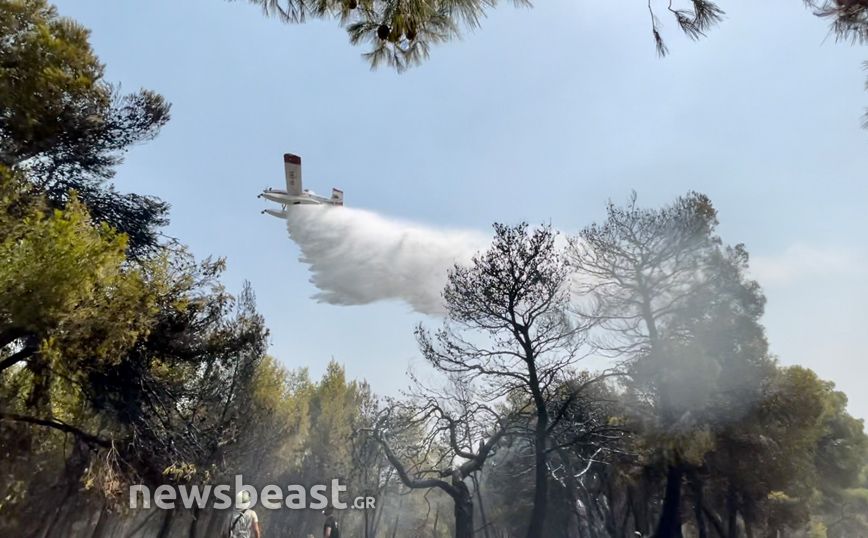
x: 357, y: 257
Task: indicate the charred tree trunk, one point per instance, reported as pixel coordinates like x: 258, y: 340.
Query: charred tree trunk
x: 700, y: 520
x: 378, y: 514
x: 215, y: 522
x: 463, y: 510
x: 102, y: 523
x: 732, y: 524
x: 628, y: 505
x: 72, y: 515
x: 377, y: 518
x: 732, y: 515
x: 485, y: 530
x: 576, y: 510
x: 607, y: 509
x: 395, y: 530
x: 69, y: 482
x: 698, y: 501
x: 541, y: 471
x: 166, y: 527
x: 366, y: 523
x: 640, y: 511
x: 139, y: 525
x: 590, y: 520
x: 669, y: 525
x: 540, y: 494
x: 609, y: 517
x: 193, y: 532
x: 715, y: 522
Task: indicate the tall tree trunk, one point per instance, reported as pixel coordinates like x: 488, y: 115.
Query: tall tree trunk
x: 541, y: 478
x: 72, y: 516
x: 576, y: 508
x: 700, y: 520
x: 608, y: 517
x: 367, y: 524
x: 463, y: 510
x: 70, y: 480
x: 589, y: 513
x: 732, y: 522
x: 698, y: 501
x: 640, y: 512
x: 45, y: 530
x: 541, y: 471
x: 194, y: 524
x: 397, y: 520
x: 215, y: 523
x: 143, y: 523
x: 378, y: 514
x: 102, y: 523
x: 669, y: 525
x: 485, y: 531
x: 628, y: 503
x: 400, y: 504
x: 166, y: 527
x: 715, y: 522
x: 436, y: 519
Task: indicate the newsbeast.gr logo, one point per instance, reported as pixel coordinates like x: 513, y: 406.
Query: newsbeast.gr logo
x: 271, y: 497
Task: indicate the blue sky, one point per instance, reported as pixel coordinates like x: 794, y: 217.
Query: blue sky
x: 542, y: 115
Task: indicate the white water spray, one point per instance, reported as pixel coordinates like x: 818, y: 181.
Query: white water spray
x: 357, y: 257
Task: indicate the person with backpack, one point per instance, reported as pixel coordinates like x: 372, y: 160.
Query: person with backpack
x: 243, y: 522
x: 330, y: 528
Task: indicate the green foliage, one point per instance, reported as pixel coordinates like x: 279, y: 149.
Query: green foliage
x: 65, y: 283
x: 67, y: 126
x: 334, y: 409
x: 48, y: 78
x: 401, y: 33
x: 842, y: 449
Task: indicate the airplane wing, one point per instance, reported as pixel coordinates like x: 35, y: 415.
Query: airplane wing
x: 292, y: 164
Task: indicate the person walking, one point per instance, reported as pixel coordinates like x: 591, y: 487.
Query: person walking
x: 243, y: 522
x: 330, y: 528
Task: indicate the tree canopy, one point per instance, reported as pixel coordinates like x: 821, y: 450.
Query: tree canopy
x: 69, y: 127
x: 401, y: 34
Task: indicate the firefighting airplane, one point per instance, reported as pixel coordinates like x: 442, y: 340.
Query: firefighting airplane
x: 294, y: 195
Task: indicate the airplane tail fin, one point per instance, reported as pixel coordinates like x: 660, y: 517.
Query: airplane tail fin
x: 338, y: 196
x: 292, y: 168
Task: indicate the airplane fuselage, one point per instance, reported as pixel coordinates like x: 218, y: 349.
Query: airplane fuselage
x: 308, y: 198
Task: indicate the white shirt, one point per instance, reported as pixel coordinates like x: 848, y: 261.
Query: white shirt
x: 244, y: 527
